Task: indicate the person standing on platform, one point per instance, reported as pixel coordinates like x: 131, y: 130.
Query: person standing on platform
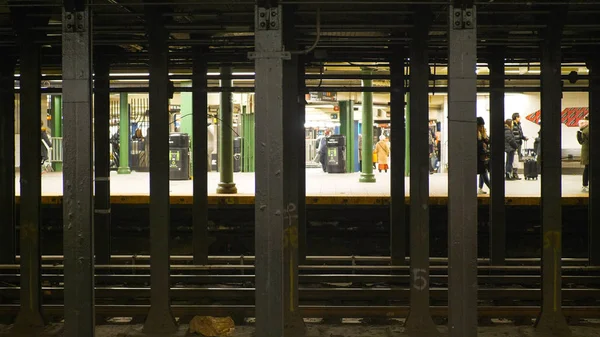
x: 583, y: 137
x: 482, y: 155
x: 510, y: 146
x: 323, y: 150
x: 360, y: 152
x: 383, y: 152
x: 46, y: 144
x: 519, y: 136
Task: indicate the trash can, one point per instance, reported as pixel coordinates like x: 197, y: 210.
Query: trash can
x: 336, y: 154
x: 179, y: 156
x: 237, y: 154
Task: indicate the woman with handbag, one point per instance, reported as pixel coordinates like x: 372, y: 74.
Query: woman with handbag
x: 483, y: 155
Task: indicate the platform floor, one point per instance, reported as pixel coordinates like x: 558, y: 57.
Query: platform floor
x: 323, y: 188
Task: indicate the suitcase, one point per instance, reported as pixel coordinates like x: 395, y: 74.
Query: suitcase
x: 530, y: 169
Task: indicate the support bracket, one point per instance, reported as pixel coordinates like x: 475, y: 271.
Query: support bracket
x: 463, y: 18
x: 75, y: 22
x: 268, y: 18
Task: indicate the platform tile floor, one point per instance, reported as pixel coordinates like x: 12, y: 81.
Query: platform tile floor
x: 318, y: 183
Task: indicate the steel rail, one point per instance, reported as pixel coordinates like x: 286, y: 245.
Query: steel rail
x: 312, y: 268
x: 381, y: 279
x: 179, y: 310
x: 247, y: 294
x: 312, y: 259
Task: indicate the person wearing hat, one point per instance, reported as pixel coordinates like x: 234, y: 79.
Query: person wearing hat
x: 483, y: 155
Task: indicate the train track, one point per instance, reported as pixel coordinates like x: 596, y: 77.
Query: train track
x: 329, y: 287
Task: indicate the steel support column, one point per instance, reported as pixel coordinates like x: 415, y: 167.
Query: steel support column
x: 301, y: 148
x: 226, y: 185
x: 419, y: 321
x: 462, y: 169
x: 30, y: 318
x: 78, y: 206
x: 497, y: 190
x: 552, y: 321
x: 594, y: 169
x: 102, y: 210
x: 276, y: 238
x: 200, y: 155
x: 160, y: 319
x: 7, y: 158
x: 397, y: 134
x: 366, y: 172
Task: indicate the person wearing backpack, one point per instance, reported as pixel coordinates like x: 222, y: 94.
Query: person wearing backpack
x: 583, y: 137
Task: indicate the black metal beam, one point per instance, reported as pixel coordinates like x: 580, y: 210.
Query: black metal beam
x: 398, y: 228
x: 102, y: 210
x: 301, y: 148
x: 7, y: 158
x: 30, y: 320
x: 419, y: 321
x: 160, y: 319
x: 276, y: 202
x: 78, y: 174
x: 462, y: 163
x: 497, y: 188
x: 551, y: 321
x: 594, y: 168
x: 200, y: 155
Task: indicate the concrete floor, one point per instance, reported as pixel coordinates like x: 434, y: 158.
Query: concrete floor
x: 318, y: 183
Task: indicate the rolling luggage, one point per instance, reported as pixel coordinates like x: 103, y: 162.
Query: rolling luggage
x: 530, y: 168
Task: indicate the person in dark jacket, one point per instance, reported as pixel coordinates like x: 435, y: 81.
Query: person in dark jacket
x: 482, y: 155
x: 518, y: 132
x: 323, y: 150
x: 510, y: 146
x: 584, y: 126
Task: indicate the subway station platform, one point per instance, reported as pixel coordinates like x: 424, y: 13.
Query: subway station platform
x: 321, y: 189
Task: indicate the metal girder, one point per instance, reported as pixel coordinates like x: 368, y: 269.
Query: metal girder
x: 78, y: 174
x: 419, y: 321
x: 7, y: 158
x: 398, y: 228
x: 594, y: 168
x: 462, y: 163
x: 276, y: 212
x: 497, y: 188
x: 301, y: 148
x: 551, y: 321
x: 102, y: 209
x: 160, y: 319
x: 200, y: 155
x: 30, y: 320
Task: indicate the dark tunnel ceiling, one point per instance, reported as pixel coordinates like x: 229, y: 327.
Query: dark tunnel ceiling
x: 350, y: 30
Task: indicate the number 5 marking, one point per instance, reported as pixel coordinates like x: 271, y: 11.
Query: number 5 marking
x: 419, y: 278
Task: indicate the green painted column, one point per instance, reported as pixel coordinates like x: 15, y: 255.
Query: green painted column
x: 407, y: 132
x: 226, y: 184
x: 124, y: 135
x: 186, y: 117
x: 57, y: 127
x: 366, y: 175
x: 248, y: 144
x: 347, y: 130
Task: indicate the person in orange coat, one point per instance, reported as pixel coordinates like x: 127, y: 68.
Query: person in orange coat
x: 383, y: 152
